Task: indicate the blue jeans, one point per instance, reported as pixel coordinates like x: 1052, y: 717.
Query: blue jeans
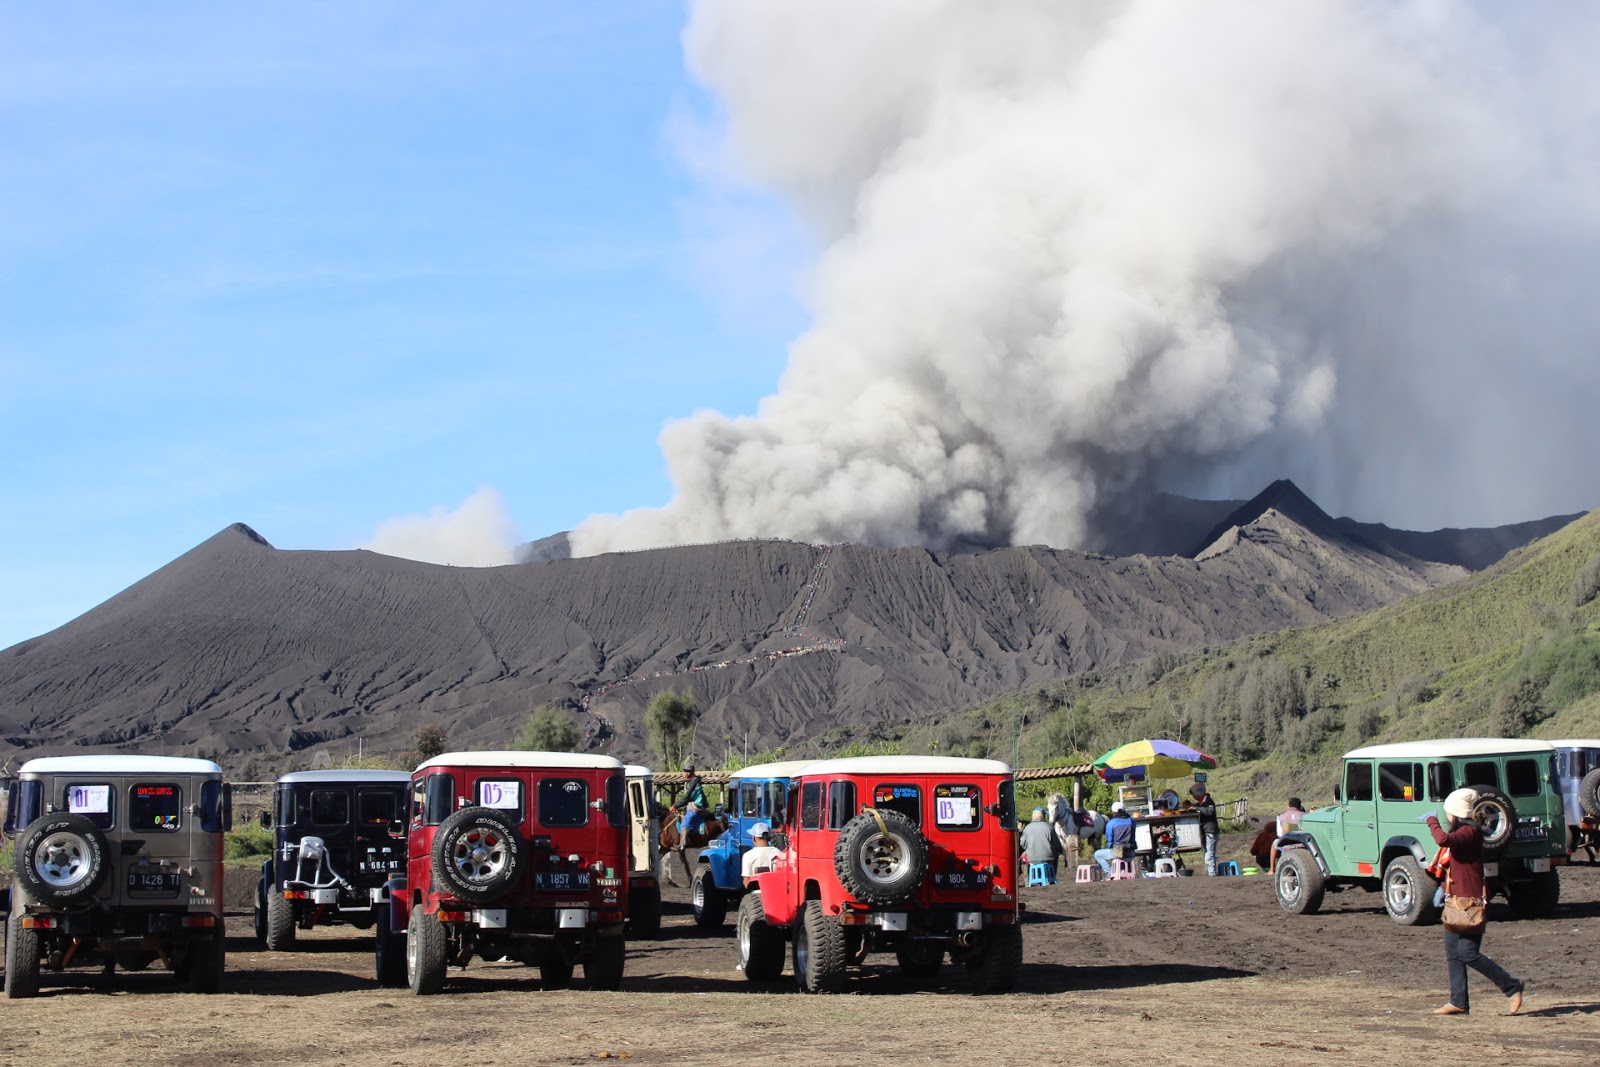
x: 1208, y: 838
x: 1464, y: 950
x: 1103, y: 857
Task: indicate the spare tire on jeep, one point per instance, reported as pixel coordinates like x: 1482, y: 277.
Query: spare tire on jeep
x: 1497, y: 815
x: 881, y: 857
x: 61, y: 859
x: 478, y: 854
x: 1589, y: 794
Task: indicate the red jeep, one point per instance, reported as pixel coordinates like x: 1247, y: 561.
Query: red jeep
x: 915, y: 855
x: 520, y: 855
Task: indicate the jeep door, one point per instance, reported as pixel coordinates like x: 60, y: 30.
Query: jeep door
x: 380, y: 834
x: 643, y: 831
x: 1359, y: 816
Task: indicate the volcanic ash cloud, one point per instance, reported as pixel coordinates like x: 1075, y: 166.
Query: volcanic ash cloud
x: 1067, y: 246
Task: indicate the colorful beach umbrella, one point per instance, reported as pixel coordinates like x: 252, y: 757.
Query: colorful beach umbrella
x: 1159, y: 757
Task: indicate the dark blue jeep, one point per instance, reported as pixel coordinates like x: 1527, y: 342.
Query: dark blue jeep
x: 755, y: 795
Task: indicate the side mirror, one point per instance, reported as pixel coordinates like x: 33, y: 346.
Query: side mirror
x: 265, y: 819
x: 779, y: 840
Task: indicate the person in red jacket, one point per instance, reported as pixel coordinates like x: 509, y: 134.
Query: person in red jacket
x: 1465, y: 842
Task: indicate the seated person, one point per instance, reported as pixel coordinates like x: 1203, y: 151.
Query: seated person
x: 1119, y: 838
x: 760, y: 857
x: 1039, y: 844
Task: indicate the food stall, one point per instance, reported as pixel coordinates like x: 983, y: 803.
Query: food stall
x: 1164, y: 824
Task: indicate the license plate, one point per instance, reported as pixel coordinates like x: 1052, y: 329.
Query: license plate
x: 380, y: 865
x: 1528, y: 833
x: 961, y: 880
x: 560, y: 880
x: 153, y: 881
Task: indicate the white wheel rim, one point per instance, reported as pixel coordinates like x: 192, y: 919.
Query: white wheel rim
x: 62, y: 860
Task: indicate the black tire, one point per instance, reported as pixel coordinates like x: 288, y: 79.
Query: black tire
x: 555, y: 968
x: 22, y: 960
x: 203, y: 965
x: 761, y: 947
x: 819, y: 951
x: 427, y: 952
x: 1589, y: 794
x: 1299, y: 882
x: 280, y: 922
x: 920, y: 961
x: 1537, y: 898
x: 1495, y: 813
x: 1408, y: 893
x: 260, y: 913
x: 996, y: 970
x: 882, y: 864
x: 604, y: 965
x: 62, y: 859
x: 710, y: 903
x: 389, y: 951
x: 644, y: 913
x: 478, y: 855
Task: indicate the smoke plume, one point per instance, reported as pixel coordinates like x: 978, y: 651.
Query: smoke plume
x: 479, y: 533
x: 1074, y: 248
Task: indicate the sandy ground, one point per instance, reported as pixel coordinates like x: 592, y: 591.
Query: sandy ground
x: 1162, y: 973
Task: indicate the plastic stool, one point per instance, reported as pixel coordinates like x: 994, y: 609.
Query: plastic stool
x: 1227, y: 867
x: 1166, y: 867
x: 1088, y: 872
x: 1122, y: 869
x: 1041, y: 874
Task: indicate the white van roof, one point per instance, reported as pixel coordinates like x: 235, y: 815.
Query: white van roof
x: 114, y: 764
x: 781, y: 769
x: 1449, y: 748
x: 1591, y: 742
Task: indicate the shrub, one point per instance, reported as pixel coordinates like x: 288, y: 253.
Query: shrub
x: 247, y: 842
x: 1586, y: 584
x: 548, y: 730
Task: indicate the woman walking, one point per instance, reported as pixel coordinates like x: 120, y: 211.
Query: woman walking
x: 1463, y: 948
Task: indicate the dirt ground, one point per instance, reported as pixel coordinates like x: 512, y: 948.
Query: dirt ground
x: 1190, y: 971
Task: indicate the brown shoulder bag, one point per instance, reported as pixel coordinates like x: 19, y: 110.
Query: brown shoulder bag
x: 1463, y: 915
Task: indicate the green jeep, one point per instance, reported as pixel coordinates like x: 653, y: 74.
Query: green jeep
x: 1375, y: 837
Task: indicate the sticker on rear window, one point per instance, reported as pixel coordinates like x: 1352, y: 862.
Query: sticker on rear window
x: 500, y: 795
x: 89, y: 799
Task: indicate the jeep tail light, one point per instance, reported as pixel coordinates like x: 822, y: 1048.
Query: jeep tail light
x: 1002, y: 918
x: 38, y: 922
x: 295, y: 894
x: 199, y: 920
x: 452, y: 916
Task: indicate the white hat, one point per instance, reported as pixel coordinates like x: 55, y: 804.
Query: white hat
x: 761, y: 829
x: 1459, y: 803
x: 1118, y: 806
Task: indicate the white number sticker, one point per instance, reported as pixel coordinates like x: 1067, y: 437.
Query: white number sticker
x: 953, y: 811
x: 89, y: 799
x: 500, y: 794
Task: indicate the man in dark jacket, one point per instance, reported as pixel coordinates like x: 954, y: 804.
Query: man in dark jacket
x: 1206, y: 808
x: 1119, y: 839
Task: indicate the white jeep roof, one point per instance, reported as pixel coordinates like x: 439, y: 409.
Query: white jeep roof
x: 1578, y: 743
x: 521, y: 760
x: 905, y: 765
x: 110, y: 764
x: 1452, y: 747
x: 781, y: 769
x: 344, y: 777
x: 638, y: 770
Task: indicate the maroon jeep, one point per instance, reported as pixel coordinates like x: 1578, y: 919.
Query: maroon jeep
x: 915, y: 855
x: 520, y: 855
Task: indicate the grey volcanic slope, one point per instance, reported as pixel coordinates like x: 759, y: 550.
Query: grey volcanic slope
x: 237, y: 647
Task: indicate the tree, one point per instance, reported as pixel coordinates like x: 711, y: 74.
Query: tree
x: 670, y: 723
x: 548, y: 729
x: 428, y: 743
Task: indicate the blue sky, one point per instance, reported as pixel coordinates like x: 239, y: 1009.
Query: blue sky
x: 315, y: 266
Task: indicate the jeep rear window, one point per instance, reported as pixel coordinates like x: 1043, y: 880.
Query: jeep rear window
x: 1358, y: 781
x: 617, y: 800
x: 330, y: 807
x: 502, y: 794
x: 776, y: 802
x: 563, y: 802
x: 957, y: 807
x: 906, y: 799
x: 378, y: 808
x: 841, y: 804
x: 1400, y: 781
x: 1522, y: 777
x: 156, y: 806
x: 1482, y: 773
x: 1441, y: 780
x: 93, y: 800
x: 811, y: 806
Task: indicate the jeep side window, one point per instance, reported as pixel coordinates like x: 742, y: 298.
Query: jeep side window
x: 617, y: 800
x: 1481, y: 773
x: 216, y: 806
x: 906, y: 799
x: 777, y: 801
x: 811, y: 806
x: 441, y: 798
x: 286, y: 814
x: 155, y: 807
x: 957, y: 807
x: 419, y: 796
x: 563, y: 802
x: 749, y: 799
x: 1358, y: 781
x: 24, y: 805
x: 1399, y: 781
x: 1441, y: 780
x: 1522, y: 778
x: 330, y: 807
x: 1007, y: 804
x: 94, y: 801
x: 841, y: 804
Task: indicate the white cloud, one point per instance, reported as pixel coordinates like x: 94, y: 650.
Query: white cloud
x: 479, y: 533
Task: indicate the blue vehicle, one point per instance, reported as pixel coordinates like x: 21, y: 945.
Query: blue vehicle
x: 755, y: 795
